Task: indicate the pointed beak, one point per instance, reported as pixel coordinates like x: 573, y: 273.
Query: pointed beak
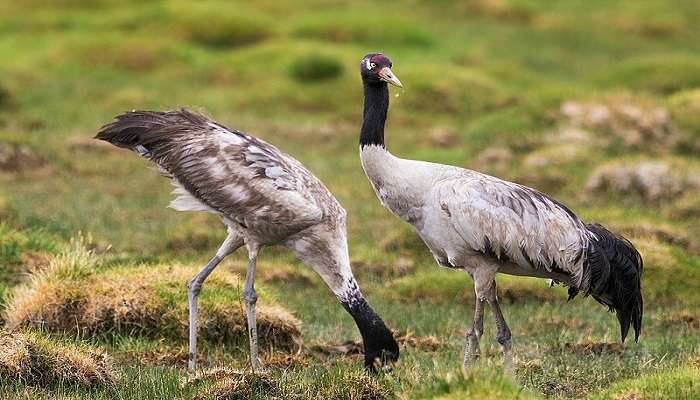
x: 386, y: 75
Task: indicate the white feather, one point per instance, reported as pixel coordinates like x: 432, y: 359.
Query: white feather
x: 185, y: 201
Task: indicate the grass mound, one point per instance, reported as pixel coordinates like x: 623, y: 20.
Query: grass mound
x: 75, y: 295
x: 683, y: 318
x: 653, y: 180
x: 18, y: 158
x: 478, y: 383
x: 219, y: 27
x: 594, y: 348
x: 125, y: 53
x: 459, y: 91
x: 236, y: 384
x: 680, y: 383
x: 228, y: 383
x: 363, y: 28
x: 660, y: 232
x: 314, y: 67
x: 494, y: 160
x: 31, y: 359
x: 21, y: 251
x: 658, y: 73
x: 624, y: 121
x: 684, y: 108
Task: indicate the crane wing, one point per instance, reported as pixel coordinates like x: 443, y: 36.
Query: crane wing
x: 514, y: 223
x: 221, y: 170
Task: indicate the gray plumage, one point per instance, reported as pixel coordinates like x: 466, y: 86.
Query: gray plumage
x: 485, y: 225
x: 226, y: 172
x: 263, y: 196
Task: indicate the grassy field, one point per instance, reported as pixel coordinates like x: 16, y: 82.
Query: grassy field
x: 594, y: 102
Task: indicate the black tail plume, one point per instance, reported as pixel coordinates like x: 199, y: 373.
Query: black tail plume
x: 622, y: 290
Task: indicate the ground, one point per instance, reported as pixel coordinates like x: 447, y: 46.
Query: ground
x: 595, y: 103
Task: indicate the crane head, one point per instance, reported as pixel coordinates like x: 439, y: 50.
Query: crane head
x: 376, y: 67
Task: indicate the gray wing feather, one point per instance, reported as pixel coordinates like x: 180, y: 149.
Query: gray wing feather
x: 515, y: 223
x: 221, y: 170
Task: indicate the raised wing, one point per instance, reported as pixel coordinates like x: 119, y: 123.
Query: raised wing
x: 222, y: 170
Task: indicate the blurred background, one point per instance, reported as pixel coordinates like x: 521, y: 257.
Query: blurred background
x: 595, y: 102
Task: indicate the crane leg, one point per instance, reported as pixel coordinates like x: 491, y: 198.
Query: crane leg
x: 471, y: 349
x: 250, y: 299
x: 503, y: 332
x: 194, y: 286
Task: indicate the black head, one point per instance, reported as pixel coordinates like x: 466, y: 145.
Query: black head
x: 381, y: 351
x: 376, y: 68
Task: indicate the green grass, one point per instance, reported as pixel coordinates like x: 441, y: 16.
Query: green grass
x: 492, y: 74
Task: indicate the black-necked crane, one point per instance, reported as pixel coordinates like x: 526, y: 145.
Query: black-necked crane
x: 264, y: 197
x: 485, y: 225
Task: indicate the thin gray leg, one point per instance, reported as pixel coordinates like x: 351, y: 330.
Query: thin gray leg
x: 250, y: 299
x: 194, y: 286
x: 503, y: 332
x: 471, y: 349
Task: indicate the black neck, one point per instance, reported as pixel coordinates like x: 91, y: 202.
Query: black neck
x: 374, y: 116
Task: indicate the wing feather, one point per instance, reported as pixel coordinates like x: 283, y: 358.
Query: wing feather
x: 515, y: 223
x: 222, y: 170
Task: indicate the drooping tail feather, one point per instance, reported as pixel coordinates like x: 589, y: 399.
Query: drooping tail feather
x: 148, y: 128
x: 621, y: 290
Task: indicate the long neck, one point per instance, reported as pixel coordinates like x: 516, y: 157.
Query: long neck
x: 374, y: 116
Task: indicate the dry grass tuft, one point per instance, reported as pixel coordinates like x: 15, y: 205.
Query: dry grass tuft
x: 554, y: 321
x: 594, y: 348
x: 235, y: 384
x: 442, y: 137
x: 683, y: 318
x: 18, y: 158
x: 555, y: 156
x: 634, y: 122
x: 494, y: 160
x: 284, y: 361
x: 83, y: 144
x: 661, y: 232
x: 279, y: 273
x: 30, y: 359
x: 632, y: 394
x: 331, y: 351
x: 686, y: 207
x: 355, y: 385
x: 164, y: 354
x: 652, y: 180
x: 35, y: 261
x: 73, y: 295
x: 228, y: 383
x: 424, y: 343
